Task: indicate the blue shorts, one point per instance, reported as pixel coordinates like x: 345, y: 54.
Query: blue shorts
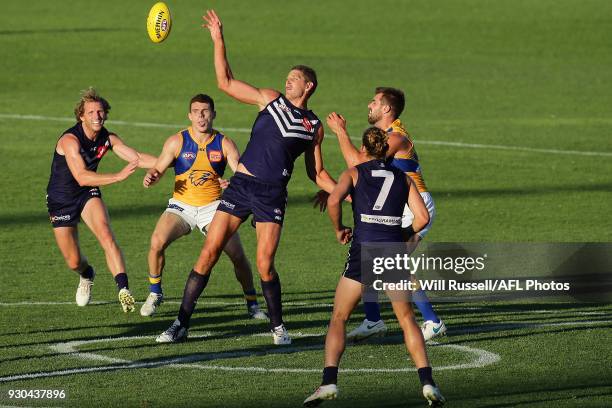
x: 68, y: 214
x: 248, y: 195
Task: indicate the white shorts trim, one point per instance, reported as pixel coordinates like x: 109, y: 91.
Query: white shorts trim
x: 431, y: 209
x: 192, y: 215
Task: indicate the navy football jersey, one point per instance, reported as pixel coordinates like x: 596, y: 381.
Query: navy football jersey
x: 281, y: 133
x: 379, y: 198
x: 62, y: 186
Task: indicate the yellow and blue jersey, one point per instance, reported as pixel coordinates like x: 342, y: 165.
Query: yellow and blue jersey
x: 408, y: 162
x: 198, y: 168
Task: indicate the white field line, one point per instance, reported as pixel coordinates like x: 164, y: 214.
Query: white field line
x: 474, y: 310
x: 246, y: 130
x: 482, y: 357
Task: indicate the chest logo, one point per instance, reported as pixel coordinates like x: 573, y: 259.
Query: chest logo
x: 199, y: 177
x: 215, y: 156
x: 189, y: 155
x: 307, y: 125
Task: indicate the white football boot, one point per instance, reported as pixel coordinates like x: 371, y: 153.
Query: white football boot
x: 281, y: 336
x: 367, y: 329
x: 83, y: 293
x: 174, y: 334
x: 431, y: 329
x: 149, y: 306
x: 127, y: 300
x: 324, y: 392
x: 433, y: 396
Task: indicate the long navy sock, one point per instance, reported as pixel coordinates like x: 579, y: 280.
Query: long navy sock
x: 425, y: 376
x: 272, y: 293
x: 330, y: 375
x: 193, y: 289
x: 372, y: 311
x: 87, y: 273
x: 122, y: 281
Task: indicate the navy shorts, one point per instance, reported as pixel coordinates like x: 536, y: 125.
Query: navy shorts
x: 68, y: 214
x: 248, y: 195
x: 352, y: 267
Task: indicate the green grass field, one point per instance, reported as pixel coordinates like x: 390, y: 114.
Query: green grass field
x: 509, y: 104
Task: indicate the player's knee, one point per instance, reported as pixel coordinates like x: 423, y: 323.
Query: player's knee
x: 108, y: 243
x: 158, y: 244
x: 339, y: 317
x: 73, y: 262
x: 264, y: 265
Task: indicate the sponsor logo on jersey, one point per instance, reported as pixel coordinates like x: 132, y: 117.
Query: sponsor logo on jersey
x: 381, y: 219
x: 286, y: 173
x: 278, y: 211
x: 278, y: 218
x: 94, y: 192
x: 215, y: 156
x: 227, y: 204
x: 189, y: 155
x: 284, y: 107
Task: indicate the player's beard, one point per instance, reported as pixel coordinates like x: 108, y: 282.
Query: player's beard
x: 373, y: 118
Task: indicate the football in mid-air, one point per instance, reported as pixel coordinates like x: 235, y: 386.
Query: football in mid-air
x: 159, y: 22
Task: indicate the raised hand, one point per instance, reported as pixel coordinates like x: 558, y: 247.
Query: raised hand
x: 336, y: 122
x: 213, y: 24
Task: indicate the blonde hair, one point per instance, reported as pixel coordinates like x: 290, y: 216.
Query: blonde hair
x: 89, y: 95
x: 375, y: 142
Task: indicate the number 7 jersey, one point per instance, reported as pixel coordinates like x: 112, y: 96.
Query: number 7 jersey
x: 379, y: 198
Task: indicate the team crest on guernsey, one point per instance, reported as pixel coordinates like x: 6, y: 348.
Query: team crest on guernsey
x: 102, y: 150
x: 290, y: 124
x: 215, y: 156
x: 307, y: 125
x: 199, y: 177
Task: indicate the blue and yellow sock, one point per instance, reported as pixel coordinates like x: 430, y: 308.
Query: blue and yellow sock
x: 155, y: 284
x: 250, y: 296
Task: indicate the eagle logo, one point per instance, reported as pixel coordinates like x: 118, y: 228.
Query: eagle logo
x: 199, y: 177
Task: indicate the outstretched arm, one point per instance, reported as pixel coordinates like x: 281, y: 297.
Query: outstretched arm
x: 165, y: 159
x: 351, y: 154
x: 125, y: 152
x: 314, y: 164
x: 68, y: 145
x: 334, y: 205
x: 225, y: 78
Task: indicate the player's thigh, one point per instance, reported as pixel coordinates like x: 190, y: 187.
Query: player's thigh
x: 95, y: 215
x: 233, y: 248
x: 221, y: 229
x: 169, y: 227
x: 67, y: 239
x: 348, y: 294
x: 268, y: 237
